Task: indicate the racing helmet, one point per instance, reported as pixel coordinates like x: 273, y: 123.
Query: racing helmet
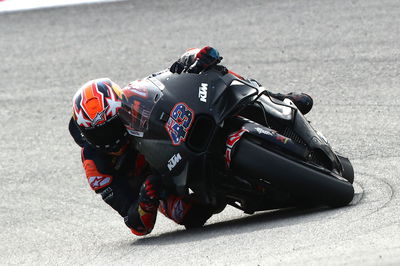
x: 95, y: 112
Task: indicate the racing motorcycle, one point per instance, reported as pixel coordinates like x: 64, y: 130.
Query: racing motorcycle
x: 229, y: 142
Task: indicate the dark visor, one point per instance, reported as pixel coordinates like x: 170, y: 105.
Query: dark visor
x: 106, y: 135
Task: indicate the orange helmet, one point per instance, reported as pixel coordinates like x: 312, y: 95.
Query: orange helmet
x: 95, y: 108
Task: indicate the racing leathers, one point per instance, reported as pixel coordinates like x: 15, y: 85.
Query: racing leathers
x: 121, y: 177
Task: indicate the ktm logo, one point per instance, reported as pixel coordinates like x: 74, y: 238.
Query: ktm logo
x: 174, y: 161
x: 203, y: 92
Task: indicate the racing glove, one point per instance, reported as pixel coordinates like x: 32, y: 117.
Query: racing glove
x: 142, y: 219
x: 205, y: 58
x: 196, y: 60
x: 152, y: 190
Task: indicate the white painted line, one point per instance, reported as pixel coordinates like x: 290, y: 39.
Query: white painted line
x: 15, y: 5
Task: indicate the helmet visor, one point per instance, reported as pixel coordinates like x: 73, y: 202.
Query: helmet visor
x: 109, y: 136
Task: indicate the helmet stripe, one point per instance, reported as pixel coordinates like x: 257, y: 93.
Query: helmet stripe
x: 92, y: 101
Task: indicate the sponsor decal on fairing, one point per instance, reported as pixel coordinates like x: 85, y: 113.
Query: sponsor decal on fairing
x: 203, y: 92
x: 174, y: 161
x: 282, y: 139
x: 158, y: 83
x: 179, y: 122
x: 135, y: 133
x: 230, y: 142
x: 263, y: 131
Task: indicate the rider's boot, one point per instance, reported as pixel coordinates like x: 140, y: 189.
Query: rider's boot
x: 303, y: 101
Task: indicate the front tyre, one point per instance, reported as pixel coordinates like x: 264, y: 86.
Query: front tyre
x: 304, y: 182
x: 348, y: 171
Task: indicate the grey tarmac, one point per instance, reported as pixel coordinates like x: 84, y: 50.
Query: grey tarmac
x: 343, y: 53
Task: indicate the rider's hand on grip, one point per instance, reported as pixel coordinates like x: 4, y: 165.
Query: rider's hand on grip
x: 152, y: 189
x: 177, y: 67
x: 205, y: 58
x: 196, y: 60
x: 208, y: 56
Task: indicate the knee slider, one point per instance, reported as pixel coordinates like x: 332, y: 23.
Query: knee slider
x: 197, y: 216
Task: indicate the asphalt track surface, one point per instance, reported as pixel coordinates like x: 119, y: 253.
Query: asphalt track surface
x: 344, y: 53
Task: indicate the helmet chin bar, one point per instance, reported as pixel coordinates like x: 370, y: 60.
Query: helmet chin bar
x: 114, y: 147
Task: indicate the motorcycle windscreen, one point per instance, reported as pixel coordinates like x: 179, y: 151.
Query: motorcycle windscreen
x: 138, y: 100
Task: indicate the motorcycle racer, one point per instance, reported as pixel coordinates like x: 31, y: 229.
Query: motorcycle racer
x: 116, y: 171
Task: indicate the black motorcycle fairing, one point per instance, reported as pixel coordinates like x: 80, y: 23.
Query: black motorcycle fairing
x: 185, y: 120
x: 272, y: 138
x: 298, y: 178
x: 188, y: 128
x: 297, y: 128
x: 225, y: 93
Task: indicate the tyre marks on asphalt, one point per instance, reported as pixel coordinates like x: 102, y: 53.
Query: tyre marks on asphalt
x: 374, y: 192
